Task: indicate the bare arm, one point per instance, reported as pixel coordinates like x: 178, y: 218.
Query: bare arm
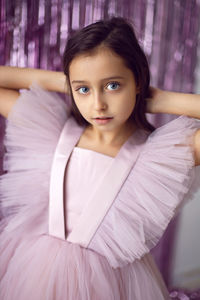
x: 174, y: 103
x: 22, y: 78
x: 13, y: 79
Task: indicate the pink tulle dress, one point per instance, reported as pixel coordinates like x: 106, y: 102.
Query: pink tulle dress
x: 78, y: 224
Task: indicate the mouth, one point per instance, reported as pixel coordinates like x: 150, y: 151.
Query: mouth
x: 102, y: 120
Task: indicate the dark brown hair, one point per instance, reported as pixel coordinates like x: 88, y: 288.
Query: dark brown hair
x: 118, y: 35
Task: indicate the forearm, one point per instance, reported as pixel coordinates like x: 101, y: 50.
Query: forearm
x: 22, y: 78
x: 176, y: 103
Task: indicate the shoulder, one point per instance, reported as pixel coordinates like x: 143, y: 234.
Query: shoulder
x: 197, y: 147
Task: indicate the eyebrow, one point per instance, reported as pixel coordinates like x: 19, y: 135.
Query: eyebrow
x: 107, y: 78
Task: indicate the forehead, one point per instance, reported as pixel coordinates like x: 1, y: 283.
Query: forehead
x: 96, y: 65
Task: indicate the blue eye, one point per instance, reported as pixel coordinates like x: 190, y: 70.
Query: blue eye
x: 82, y: 88
x: 114, y: 84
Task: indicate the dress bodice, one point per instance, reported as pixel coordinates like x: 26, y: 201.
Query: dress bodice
x: 85, y: 169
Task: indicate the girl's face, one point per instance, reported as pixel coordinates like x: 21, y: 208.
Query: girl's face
x: 103, y: 87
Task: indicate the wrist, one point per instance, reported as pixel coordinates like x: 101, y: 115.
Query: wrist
x: 53, y: 81
x: 162, y: 101
x: 156, y: 103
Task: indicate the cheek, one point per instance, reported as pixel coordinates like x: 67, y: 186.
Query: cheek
x: 128, y: 104
x: 131, y: 100
x: 82, y: 107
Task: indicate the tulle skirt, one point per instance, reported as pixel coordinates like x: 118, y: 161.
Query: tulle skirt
x: 47, y: 268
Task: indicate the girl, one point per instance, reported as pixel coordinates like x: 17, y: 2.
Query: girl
x: 90, y: 186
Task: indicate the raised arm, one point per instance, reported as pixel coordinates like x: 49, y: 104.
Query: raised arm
x: 12, y: 79
x: 179, y: 104
x: 174, y: 103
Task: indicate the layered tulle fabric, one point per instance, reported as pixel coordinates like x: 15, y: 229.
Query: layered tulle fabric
x: 35, y: 265
x: 151, y: 196
x: 32, y: 130
x: 45, y: 268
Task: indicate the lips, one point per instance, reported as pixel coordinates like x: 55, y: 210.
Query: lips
x: 102, y: 118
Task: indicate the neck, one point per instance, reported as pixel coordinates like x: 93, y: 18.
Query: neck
x: 112, y: 138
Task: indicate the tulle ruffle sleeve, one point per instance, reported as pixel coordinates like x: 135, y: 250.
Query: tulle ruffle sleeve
x: 32, y: 131
x: 163, y: 178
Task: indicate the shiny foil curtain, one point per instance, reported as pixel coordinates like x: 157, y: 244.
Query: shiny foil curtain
x: 33, y: 33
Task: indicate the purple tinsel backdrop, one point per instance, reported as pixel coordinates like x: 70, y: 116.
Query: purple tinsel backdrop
x: 33, y: 34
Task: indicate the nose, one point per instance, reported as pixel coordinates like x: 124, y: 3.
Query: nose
x: 99, y: 102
